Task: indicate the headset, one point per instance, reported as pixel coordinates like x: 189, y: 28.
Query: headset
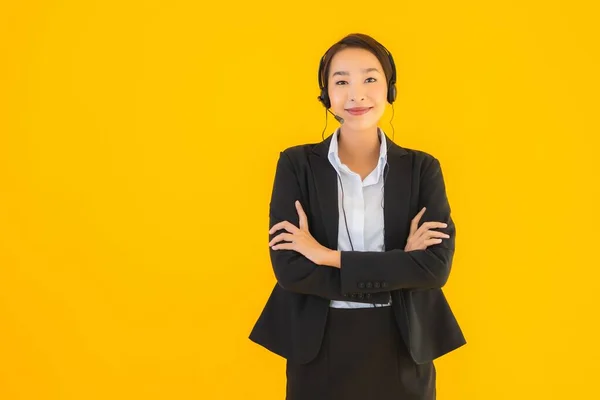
x: 324, y: 96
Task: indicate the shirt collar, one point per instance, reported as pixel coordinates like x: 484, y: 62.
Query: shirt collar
x: 334, y: 158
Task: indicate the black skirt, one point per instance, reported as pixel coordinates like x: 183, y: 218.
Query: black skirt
x: 362, y: 357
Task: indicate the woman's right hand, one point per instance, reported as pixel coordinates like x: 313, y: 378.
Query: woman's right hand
x: 423, y: 237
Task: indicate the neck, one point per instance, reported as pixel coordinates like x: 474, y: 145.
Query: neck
x: 359, y: 145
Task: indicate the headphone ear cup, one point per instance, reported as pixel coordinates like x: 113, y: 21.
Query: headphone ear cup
x: 392, y: 93
x: 324, y: 98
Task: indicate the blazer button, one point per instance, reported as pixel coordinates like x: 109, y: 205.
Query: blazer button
x: 360, y: 296
x: 361, y: 285
x: 384, y: 284
x: 353, y: 295
x: 369, y: 285
x: 377, y: 285
x: 368, y: 295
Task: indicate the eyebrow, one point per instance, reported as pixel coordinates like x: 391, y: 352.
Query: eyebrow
x: 365, y: 70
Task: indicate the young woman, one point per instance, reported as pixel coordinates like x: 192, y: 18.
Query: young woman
x: 361, y: 244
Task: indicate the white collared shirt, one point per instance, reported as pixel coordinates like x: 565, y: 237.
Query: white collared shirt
x: 363, y: 203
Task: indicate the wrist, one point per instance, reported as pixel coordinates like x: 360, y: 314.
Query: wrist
x: 332, y: 258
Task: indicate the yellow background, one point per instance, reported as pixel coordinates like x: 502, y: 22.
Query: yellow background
x: 138, y: 142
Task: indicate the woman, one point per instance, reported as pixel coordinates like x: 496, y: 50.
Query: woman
x: 361, y: 243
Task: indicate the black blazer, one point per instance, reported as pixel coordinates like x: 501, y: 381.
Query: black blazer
x: 293, y: 320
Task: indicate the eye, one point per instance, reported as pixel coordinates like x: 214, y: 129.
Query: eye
x: 344, y: 82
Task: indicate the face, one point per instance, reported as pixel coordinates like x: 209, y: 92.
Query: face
x: 357, y: 81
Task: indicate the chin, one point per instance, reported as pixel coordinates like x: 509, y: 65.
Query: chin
x: 362, y: 123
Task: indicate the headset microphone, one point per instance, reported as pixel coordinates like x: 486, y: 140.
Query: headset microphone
x: 337, y: 117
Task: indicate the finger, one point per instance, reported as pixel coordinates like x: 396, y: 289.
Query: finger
x: 276, y: 227
x: 415, y: 221
x: 283, y: 246
x: 436, y: 234
x: 284, y: 225
x: 303, y: 219
x: 282, y: 236
x: 431, y: 242
x: 435, y: 224
x: 288, y: 226
x: 430, y: 225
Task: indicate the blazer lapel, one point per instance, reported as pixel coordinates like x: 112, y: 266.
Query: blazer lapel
x: 325, y: 177
x: 396, y: 193
x: 396, y: 197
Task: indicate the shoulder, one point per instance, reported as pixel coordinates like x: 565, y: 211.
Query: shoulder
x: 295, y: 160
x: 421, y: 160
x: 425, y: 165
x: 419, y: 155
x: 298, y: 154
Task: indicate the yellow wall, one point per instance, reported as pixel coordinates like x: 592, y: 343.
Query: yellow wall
x: 138, y: 142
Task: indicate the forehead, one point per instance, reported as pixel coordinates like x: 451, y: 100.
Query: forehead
x: 353, y: 60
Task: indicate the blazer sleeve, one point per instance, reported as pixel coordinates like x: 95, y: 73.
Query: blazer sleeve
x: 371, y: 272
x: 293, y: 271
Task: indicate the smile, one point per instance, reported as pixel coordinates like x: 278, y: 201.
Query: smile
x: 358, y: 110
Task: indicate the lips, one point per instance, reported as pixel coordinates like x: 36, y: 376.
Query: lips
x: 358, y: 110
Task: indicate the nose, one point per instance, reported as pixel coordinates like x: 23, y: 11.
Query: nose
x: 356, y: 93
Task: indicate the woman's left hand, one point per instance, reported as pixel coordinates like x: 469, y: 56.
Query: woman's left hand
x: 300, y: 239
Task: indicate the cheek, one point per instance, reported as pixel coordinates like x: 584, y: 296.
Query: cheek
x: 337, y: 97
x: 379, y: 93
